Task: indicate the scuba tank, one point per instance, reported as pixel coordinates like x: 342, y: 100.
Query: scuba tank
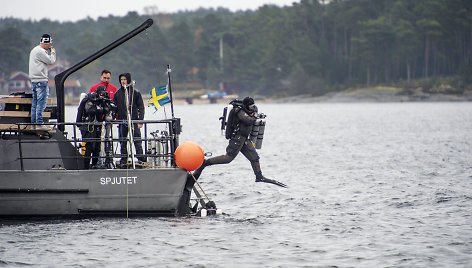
x: 257, y: 133
x: 228, y: 125
x: 159, y: 148
x: 152, y: 148
x: 227, y: 120
x: 260, y: 134
x: 224, y: 118
x: 254, y: 132
x: 163, y: 149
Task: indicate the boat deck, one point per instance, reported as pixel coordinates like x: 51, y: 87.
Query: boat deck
x: 17, y: 109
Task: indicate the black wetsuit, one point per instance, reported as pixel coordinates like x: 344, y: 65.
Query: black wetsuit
x: 239, y: 142
x: 242, y: 121
x: 90, y: 112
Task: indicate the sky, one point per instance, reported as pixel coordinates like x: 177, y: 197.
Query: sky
x: 74, y: 10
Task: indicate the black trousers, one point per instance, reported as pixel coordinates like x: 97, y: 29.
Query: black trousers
x: 138, y: 145
x: 236, y: 144
x: 92, y: 146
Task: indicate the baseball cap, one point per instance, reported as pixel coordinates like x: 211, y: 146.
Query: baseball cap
x: 46, y: 39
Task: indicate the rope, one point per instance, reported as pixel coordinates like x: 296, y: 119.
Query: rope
x: 129, y: 110
x: 127, y: 195
x: 130, y: 143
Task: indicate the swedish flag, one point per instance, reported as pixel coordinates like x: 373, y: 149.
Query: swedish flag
x: 159, y: 97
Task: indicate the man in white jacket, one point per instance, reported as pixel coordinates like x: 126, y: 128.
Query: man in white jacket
x: 41, y: 56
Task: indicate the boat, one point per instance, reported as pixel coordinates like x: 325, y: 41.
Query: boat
x: 42, y: 172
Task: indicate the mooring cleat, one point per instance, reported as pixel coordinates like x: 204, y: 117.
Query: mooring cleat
x: 266, y: 180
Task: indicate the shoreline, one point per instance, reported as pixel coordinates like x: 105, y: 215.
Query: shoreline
x: 380, y: 94
x: 374, y: 94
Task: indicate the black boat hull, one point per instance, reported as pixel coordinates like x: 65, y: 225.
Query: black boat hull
x: 91, y: 192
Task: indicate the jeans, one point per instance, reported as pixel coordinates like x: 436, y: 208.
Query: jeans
x: 40, y: 98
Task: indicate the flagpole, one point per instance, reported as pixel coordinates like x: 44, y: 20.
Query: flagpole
x: 170, y: 91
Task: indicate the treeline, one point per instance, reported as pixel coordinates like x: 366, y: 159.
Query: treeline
x: 310, y: 47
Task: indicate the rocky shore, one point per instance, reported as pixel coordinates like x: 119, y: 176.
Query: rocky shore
x: 384, y: 94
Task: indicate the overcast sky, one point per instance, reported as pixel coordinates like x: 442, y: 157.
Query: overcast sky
x: 65, y: 10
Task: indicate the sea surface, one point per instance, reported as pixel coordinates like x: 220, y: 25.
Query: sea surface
x: 370, y: 185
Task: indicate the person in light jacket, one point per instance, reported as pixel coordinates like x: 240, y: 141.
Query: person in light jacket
x: 41, y: 56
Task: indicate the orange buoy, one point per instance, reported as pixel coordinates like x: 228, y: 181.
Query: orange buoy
x: 189, y: 156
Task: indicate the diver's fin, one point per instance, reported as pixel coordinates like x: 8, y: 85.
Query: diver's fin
x: 266, y: 180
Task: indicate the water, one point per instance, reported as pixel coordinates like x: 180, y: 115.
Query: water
x: 370, y: 185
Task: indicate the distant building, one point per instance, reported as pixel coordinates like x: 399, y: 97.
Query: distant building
x: 72, y: 87
x: 19, y: 82
x: 56, y: 69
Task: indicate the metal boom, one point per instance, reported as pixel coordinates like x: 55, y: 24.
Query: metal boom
x: 61, y: 78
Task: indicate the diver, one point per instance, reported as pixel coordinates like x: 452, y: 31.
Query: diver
x: 240, y: 122
x: 95, y: 107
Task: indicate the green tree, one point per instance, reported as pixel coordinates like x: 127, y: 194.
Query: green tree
x: 308, y: 47
x: 430, y: 29
x: 14, y: 54
x: 181, y: 50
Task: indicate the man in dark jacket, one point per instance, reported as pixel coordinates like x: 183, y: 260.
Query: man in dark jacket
x: 244, y: 119
x: 136, y: 111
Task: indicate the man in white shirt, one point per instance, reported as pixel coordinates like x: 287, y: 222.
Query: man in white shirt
x: 41, y: 56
